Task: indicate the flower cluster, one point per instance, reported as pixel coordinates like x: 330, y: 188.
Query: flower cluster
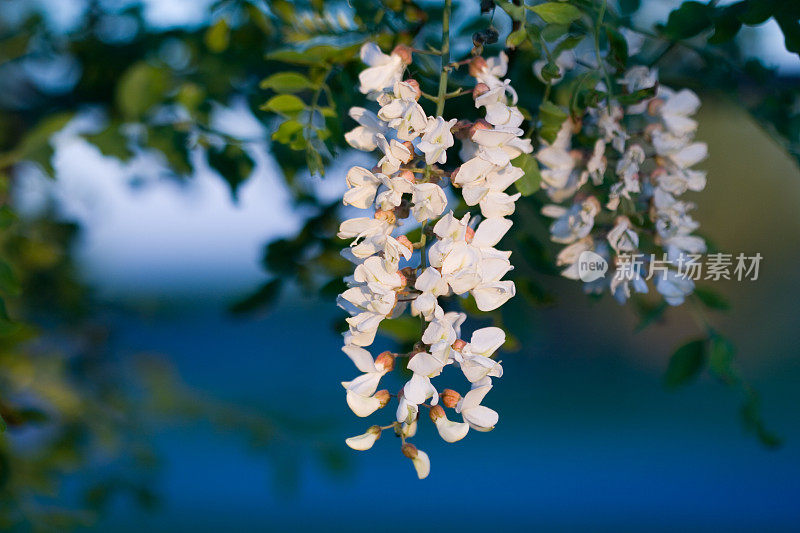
x: 647, y: 149
x: 452, y: 256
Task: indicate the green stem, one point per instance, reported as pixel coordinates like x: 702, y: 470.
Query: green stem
x: 600, y: 64
x: 445, y: 57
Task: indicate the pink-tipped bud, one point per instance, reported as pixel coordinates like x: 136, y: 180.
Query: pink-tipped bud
x: 657, y: 173
x: 576, y: 155
x: 469, y: 234
x: 450, y: 398
x: 436, y: 413
x: 652, y: 128
x: 477, y: 66
x: 414, y: 85
x: 408, y: 176
x: 461, y: 129
x: 409, y: 450
x: 402, y: 239
x: 385, y: 361
x: 479, y: 89
x: 410, y: 146
x: 386, y: 216
x: 453, y: 175
x: 459, y: 345
x: 382, y: 396
x: 479, y: 124
x: 654, y: 106
x: 403, y: 52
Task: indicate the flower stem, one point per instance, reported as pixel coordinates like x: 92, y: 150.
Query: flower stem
x: 445, y: 58
x: 600, y: 64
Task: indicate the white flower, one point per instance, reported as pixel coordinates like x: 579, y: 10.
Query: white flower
x: 596, y: 166
x: 394, y: 189
x: 676, y: 109
x: 395, y: 154
x: 449, y: 430
x: 674, y: 287
x: 369, y: 233
x: 428, y: 201
x: 364, y: 136
x: 406, y: 116
x: 362, y: 186
x: 475, y: 357
x: 569, y: 256
x: 366, y: 440
x: 436, y: 140
x: 478, y: 417
x: 622, y: 237
x: 420, y: 460
x: 638, y: 78
x: 573, y: 223
x: 383, y: 72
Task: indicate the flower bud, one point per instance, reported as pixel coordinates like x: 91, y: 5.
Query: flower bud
x: 477, y: 66
x: 383, y: 397
x: 385, y: 361
x: 402, y: 239
x: 403, y: 279
x: 470, y: 234
x: 414, y: 85
x: 408, y: 176
x: 453, y: 175
x: 365, y: 441
x: 450, y: 398
x: 479, y: 124
x: 436, y: 412
x: 386, y: 216
x: 403, y: 52
x: 409, y: 450
x: 410, y: 146
x: 461, y: 129
x: 459, y: 345
x: 479, y: 89
x: 655, y: 105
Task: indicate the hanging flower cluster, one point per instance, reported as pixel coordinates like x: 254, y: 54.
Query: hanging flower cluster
x: 453, y: 256
x: 647, y: 150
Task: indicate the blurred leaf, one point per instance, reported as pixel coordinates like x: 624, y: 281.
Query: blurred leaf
x: 618, y: 49
x: 260, y: 300
x: 36, y: 146
x: 557, y: 12
x: 284, y: 104
x: 173, y: 144
x: 217, y: 37
x: 685, y: 363
x: 690, y: 19
x: 530, y: 182
x: 552, y: 118
x: 552, y: 32
x: 750, y: 413
x: 720, y: 359
x: 287, y: 82
x: 111, y: 142
x: 516, y: 38
x: 712, y: 299
x: 232, y: 163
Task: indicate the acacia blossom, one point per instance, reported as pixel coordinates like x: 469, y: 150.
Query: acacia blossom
x: 652, y: 147
x: 452, y: 257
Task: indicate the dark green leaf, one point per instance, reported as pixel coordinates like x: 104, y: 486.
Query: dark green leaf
x: 690, y: 19
x: 552, y: 117
x: 618, y: 49
x: 141, y: 87
x: 712, y: 299
x: 262, y: 299
x: 720, y: 359
x: 685, y: 363
x: 232, y: 163
x: 217, y: 37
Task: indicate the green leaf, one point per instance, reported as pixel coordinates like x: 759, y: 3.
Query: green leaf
x: 552, y: 117
x: 233, y: 164
x: 287, y: 82
x: 751, y: 419
x: 618, y: 49
x: 111, y: 142
x: 36, y: 147
x: 790, y: 26
x: 3, y: 425
x: 557, y: 12
x: 755, y: 12
x: 218, y: 35
x: 685, y: 363
x: 285, y: 104
x: 530, y: 182
x: 516, y: 38
x: 287, y: 131
x: 8, y: 281
x: 712, y: 299
x: 550, y: 72
x: 726, y: 26
x: 720, y: 358
x: 690, y: 19
x: 552, y: 32
x: 141, y: 87
x: 516, y: 12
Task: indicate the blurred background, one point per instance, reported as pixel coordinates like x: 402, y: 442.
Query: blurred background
x: 153, y: 374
